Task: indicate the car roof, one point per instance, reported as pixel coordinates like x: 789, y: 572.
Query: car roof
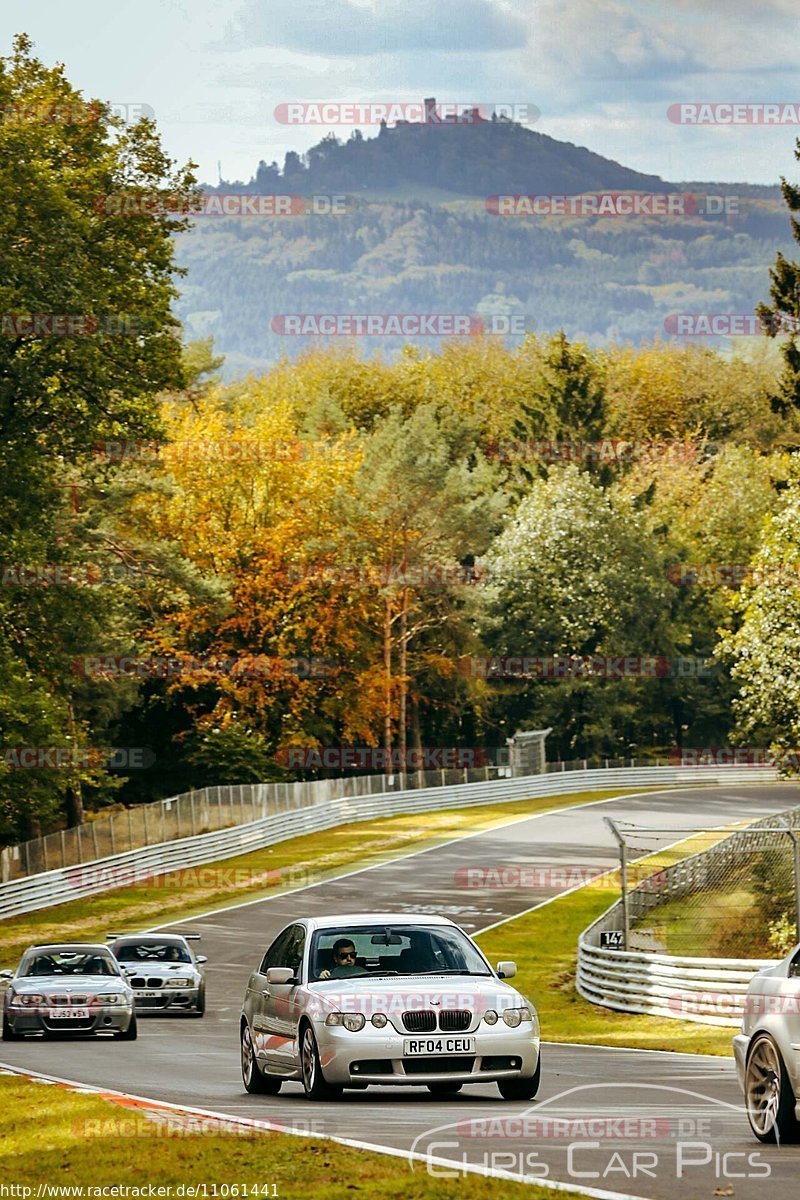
x: 69, y: 948
x: 129, y: 939
x: 352, y: 919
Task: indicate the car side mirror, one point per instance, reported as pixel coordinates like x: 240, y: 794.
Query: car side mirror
x: 280, y: 975
x: 507, y: 970
x: 201, y: 958
x: 6, y: 974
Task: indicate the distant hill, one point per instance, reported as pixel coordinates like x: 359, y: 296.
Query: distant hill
x: 484, y: 159
x: 416, y: 237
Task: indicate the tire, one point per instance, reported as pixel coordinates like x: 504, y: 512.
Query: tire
x: 200, y: 1009
x: 130, y: 1033
x: 254, y: 1079
x: 444, y: 1089
x: 8, y: 1032
x: 521, y: 1089
x: 314, y: 1083
x: 768, y: 1093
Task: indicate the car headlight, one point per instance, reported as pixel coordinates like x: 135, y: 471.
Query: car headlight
x: 178, y: 983
x: 515, y: 1016
x: 112, y: 998
x: 378, y: 1020
x: 351, y: 1021
x: 29, y: 1000
x: 490, y: 1016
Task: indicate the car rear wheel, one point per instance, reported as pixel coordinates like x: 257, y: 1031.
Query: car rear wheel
x: 8, y: 1032
x: 521, y: 1089
x: 130, y: 1034
x: 314, y: 1083
x: 768, y: 1094
x: 444, y: 1089
x: 255, y: 1081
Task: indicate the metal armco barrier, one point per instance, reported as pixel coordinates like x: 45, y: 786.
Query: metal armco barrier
x: 710, y: 991
x: 105, y: 874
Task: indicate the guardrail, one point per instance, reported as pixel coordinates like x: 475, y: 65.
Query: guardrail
x: 59, y: 886
x: 203, y: 811
x: 709, y: 991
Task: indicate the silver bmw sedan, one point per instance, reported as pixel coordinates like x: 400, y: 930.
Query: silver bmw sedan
x: 385, y: 999
x: 76, y: 988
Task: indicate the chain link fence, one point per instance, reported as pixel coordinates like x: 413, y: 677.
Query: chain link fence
x: 206, y: 811
x: 734, y: 896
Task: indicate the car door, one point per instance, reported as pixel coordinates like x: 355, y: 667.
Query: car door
x: 258, y: 993
x: 282, y: 1005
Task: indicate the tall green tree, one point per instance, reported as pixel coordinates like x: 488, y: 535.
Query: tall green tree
x: 88, y: 209
x: 784, y: 311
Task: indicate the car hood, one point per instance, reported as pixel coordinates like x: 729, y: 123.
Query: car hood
x: 95, y: 984
x: 403, y: 993
x: 155, y: 968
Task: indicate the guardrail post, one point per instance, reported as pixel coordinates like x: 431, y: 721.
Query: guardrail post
x: 146, y: 831
x: 194, y: 815
x: 63, y: 849
x: 94, y: 840
x: 623, y: 879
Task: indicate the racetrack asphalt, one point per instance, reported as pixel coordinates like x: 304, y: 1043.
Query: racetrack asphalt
x: 641, y: 1123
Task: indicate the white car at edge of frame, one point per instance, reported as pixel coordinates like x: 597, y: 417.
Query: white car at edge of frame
x: 767, y: 1051
x: 396, y: 1000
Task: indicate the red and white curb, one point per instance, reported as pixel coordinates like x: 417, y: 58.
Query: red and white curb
x: 196, y: 1119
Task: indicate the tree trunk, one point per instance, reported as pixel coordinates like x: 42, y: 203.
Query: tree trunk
x: 402, y: 720
x: 74, y: 796
x: 416, y: 737
x: 73, y: 803
x: 387, y: 667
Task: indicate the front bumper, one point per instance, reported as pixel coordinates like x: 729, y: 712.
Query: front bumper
x: 740, y: 1043
x: 108, y: 1018
x: 163, y: 999
x: 376, y: 1057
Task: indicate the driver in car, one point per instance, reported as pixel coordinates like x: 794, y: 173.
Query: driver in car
x: 344, y: 961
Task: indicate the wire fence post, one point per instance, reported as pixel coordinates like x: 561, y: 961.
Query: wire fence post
x: 790, y: 833
x: 623, y: 878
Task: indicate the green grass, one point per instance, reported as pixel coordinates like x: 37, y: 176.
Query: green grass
x: 262, y: 873
x: 544, y: 945
x: 714, y: 924
x: 49, y: 1134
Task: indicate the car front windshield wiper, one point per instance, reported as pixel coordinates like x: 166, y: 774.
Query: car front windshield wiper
x: 448, y: 971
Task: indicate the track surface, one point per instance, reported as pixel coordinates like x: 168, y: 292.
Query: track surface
x: 694, y: 1101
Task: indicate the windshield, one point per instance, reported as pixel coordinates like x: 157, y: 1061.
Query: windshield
x: 162, y: 952
x: 63, y: 962
x: 374, y: 950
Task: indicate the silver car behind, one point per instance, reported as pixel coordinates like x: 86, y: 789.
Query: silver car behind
x: 75, y: 988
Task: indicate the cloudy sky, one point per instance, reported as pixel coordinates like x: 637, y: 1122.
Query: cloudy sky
x: 602, y: 72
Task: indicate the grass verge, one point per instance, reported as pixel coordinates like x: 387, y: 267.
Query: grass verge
x: 544, y: 945
x: 52, y: 1135
x: 294, y: 863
